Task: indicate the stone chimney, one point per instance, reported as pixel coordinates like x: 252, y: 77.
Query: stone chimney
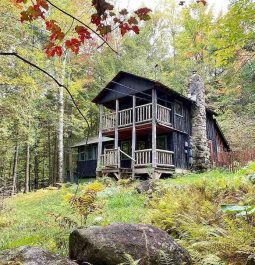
x: 200, y: 148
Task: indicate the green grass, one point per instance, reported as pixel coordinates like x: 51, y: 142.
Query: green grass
x: 187, y: 206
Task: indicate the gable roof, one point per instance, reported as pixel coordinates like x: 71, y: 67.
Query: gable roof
x: 124, y: 84
x: 92, y: 140
x: 125, y: 88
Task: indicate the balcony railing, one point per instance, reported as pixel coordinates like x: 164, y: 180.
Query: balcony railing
x: 143, y: 114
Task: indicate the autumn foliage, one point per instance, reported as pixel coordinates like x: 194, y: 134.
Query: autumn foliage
x: 105, y: 20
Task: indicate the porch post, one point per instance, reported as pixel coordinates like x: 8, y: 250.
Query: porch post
x: 116, y: 138
x: 154, y: 127
x: 133, y: 137
x: 100, y: 137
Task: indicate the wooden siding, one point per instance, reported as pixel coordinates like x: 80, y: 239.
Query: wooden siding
x: 213, y: 135
x: 181, y: 159
x: 130, y: 85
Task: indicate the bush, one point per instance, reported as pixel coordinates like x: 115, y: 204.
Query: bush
x: 192, y: 214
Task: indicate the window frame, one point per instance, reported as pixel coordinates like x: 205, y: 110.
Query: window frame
x: 177, y: 102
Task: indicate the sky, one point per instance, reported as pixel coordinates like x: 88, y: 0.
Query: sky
x: 218, y: 5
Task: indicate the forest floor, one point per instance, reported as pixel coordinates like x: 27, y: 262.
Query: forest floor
x: 210, y: 214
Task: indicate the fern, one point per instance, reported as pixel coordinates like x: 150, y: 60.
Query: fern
x: 165, y: 259
x: 130, y: 260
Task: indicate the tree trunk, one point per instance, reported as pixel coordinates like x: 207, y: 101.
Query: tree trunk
x: 55, y: 162
x: 15, y: 169
x: 36, y: 168
x: 27, y: 168
x: 50, y: 176
x: 61, y: 127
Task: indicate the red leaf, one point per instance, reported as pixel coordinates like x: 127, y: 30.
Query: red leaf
x: 124, y: 28
x: 83, y: 33
x: 143, y: 13
x: 58, y: 50
x: 132, y: 20
x: 95, y: 19
x: 136, y: 29
x: 73, y: 44
x: 43, y: 4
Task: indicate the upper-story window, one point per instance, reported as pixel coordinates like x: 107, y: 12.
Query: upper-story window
x: 178, y: 109
x: 178, y: 119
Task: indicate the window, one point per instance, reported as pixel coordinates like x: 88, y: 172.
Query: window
x: 162, y: 142
x: 82, y: 156
x: 90, y: 153
x: 178, y: 109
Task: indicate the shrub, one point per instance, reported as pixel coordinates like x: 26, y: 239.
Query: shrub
x: 192, y: 214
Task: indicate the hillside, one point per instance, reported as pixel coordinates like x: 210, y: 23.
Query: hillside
x: 194, y: 209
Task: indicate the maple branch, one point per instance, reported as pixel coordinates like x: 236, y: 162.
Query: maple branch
x: 81, y: 22
x: 50, y: 76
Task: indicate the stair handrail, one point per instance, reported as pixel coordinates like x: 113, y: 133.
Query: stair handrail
x: 127, y: 155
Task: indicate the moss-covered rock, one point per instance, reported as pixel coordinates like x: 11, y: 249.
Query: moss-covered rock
x: 32, y: 256
x: 112, y: 245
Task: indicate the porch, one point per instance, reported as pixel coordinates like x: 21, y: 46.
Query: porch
x: 110, y: 162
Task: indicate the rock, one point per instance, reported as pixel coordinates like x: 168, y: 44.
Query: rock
x: 112, y: 244
x: 251, y: 260
x: 144, y: 186
x: 32, y: 256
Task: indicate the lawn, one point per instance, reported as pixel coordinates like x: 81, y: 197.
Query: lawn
x: 188, y: 207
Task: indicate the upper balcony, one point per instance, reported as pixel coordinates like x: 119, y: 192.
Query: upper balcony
x: 143, y: 114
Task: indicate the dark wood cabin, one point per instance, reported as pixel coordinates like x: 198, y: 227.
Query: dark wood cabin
x: 145, y: 129
x: 87, y: 155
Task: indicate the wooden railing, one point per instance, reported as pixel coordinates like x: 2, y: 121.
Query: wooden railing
x: 125, y: 117
x: 143, y: 157
x: 164, y: 114
x: 164, y: 158
x: 109, y: 121
x: 143, y: 113
x: 110, y: 158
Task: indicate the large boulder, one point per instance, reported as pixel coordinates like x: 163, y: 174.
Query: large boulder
x: 32, y: 256
x: 114, y: 244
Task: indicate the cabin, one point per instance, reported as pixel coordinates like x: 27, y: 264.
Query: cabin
x: 147, y: 129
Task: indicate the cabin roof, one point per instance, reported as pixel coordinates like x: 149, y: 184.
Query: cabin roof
x: 139, y: 84
x: 92, y: 140
x: 132, y: 89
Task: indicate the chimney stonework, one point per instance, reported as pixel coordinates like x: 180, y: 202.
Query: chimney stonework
x: 200, y: 148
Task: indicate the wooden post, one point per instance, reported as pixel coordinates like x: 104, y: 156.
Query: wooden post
x: 116, y: 138
x: 154, y: 127
x: 100, y: 137
x: 133, y: 137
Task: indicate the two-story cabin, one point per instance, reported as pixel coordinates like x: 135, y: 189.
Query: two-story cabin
x: 148, y: 129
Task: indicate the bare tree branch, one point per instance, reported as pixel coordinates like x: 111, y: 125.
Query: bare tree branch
x: 50, y: 76
x: 81, y: 22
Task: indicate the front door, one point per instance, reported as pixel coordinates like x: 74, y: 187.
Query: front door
x: 126, y: 147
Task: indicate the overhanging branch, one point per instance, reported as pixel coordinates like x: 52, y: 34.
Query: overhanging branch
x: 84, y: 24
